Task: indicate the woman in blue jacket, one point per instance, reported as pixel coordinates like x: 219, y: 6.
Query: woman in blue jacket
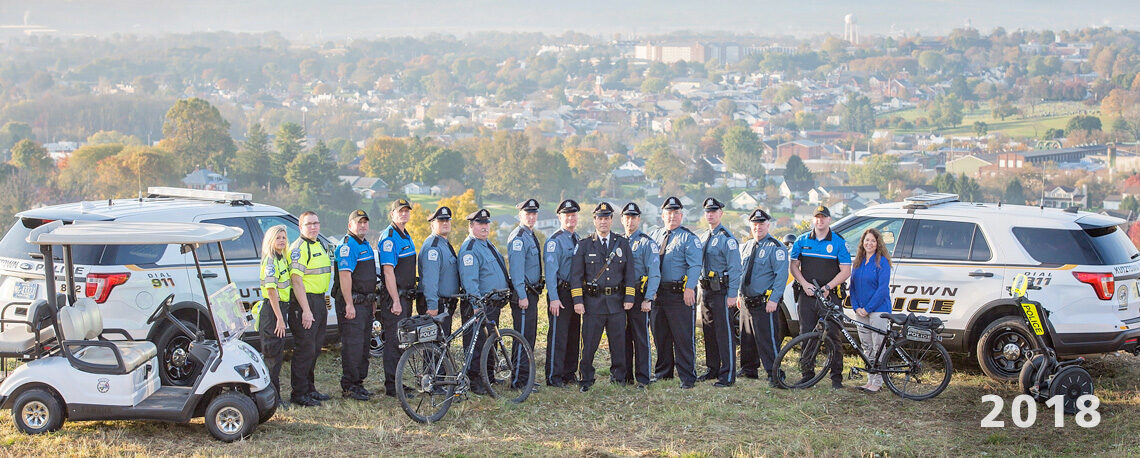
x: 870, y: 295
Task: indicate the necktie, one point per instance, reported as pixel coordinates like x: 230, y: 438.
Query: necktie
x: 574, y: 237
x: 705, y: 252
x: 449, y: 247
x: 606, y: 243
x: 664, y: 244
x: 502, y: 266
x: 751, y: 261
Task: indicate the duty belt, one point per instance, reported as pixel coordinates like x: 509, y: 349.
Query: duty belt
x: 536, y: 287
x: 673, y: 286
x: 563, y: 284
x: 757, y: 301
x: 595, y: 291
x: 714, y: 282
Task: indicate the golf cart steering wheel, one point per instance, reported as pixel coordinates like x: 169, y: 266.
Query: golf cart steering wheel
x: 162, y: 308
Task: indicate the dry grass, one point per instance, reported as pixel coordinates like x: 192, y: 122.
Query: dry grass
x: 748, y: 419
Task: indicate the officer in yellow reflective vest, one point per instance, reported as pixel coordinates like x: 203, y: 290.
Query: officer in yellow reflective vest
x: 311, y: 276
x: 275, y: 289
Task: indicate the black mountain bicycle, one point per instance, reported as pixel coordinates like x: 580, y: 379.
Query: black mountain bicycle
x: 912, y: 361
x: 428, y: 377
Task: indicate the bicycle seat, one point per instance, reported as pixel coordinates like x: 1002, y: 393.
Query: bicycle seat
x: 896, y: 318
x: 911, y: 319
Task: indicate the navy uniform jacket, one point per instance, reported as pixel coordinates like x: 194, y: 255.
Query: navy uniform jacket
x: 589, y: 263
x: 558, y: 253
x: 439, y: 271
x: 769, y: 268
x: 722, y: 257
x: 479, y: 268
x: 682, y: 255
x: 524, y: 256
x: 646, y: 263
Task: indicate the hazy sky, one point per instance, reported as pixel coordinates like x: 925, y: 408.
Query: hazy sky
x: 333, y: 19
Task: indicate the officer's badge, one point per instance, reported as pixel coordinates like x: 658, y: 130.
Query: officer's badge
x: 433, y: 255
x: 468, y: 260
x: 714, y: 241
x: 517, y: 245
x: 829, y: 248
x: 551, y: 246
x: 619, y: 252
x: 760, y: 254
x: 731, y: 244
x: 779, y: 255
x: 344, y: 250
x: 296, y: 254
x: 388, y: 245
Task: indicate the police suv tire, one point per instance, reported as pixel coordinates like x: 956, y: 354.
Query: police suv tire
x: 1004, y: 331
x: 231, y: 416
x: 36, y: 411
x: 1028, y: 376
x: 169, y: 342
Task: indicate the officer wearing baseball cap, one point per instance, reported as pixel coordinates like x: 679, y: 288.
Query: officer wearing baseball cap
x: 565, y: 327
x: 819, y: 256
x: 720, y: 281
x: 674, y: 313
x: 439, y: 271
x: 761, y: 287
x: 355, y: 292
x: 397, y: 253
x: 524, y: 256
x: 481, y: 271
x: 647, y: 272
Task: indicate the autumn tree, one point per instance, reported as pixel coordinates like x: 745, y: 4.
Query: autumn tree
x: 663, y: 164
x: 31, y: 156
x: 742, y: 152
x: 134, y: 169
x: 196, y: 134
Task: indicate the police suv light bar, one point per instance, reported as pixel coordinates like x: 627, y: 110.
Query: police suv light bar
x: 929, y: 200
x: 186, y: 193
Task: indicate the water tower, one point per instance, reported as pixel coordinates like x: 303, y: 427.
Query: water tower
x: 850, y: 29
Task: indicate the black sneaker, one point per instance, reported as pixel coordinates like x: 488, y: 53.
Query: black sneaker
x: 686, y: 386
x: 720, y: 384
x: 584, y: 388
x: 751, y: 375
x: 319, y: 395
x: 360, y: 389
x: 305, y: 401
x: 705, y: 377
x: 352, y: 394
x: 837, y: 384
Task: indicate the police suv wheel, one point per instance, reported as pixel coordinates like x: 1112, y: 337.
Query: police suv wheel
x: 1004, y: 347
x: 36, y: 411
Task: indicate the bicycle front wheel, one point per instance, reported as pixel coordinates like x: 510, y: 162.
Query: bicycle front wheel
x: 804, y: 360
x: 423, y: 388
x: 917, y: 370
x: 508, y: 366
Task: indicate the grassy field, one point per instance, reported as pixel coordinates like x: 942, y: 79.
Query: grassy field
x: 1052, y: 115
x: 748, y: 419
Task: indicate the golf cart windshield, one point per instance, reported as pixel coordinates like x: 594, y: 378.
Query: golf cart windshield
x: 230, y: 317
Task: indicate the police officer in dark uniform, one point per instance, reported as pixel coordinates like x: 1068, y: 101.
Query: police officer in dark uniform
x: 720, y: 281
x: 397, y: 253
x: 819, y: 256
x: 564, y: 332
x: 481, y: 271
x: 439, y: 269
x: 524, y: 257
x: 647, y: 272
x: 602, y: 285
x: 674, y: 314
x: 765, y: 266
x: 355, y: 304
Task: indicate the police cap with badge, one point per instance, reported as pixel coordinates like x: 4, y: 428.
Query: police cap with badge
x: 442, y: 214
x: 759, y: 216
x: 604, y: 210
x: 568, y: 206
x: 529, y: 206
x: 631, y: 209
x: 357, y: 215
x: 480, y: 216
x: 712, y: 205
x: 398, y: 204
x: 672, y: 203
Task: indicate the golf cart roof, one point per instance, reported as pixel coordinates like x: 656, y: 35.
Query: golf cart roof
x: 130, y: 233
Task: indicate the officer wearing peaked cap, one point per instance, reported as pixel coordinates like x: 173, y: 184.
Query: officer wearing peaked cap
x: 602, y: 285
x: 674, y: 314
x: 439, y: 269
x: 720, y: 280
x: 564, y: 332
x: 524, y: 256
x: 481, y: 271
x: 765, y: 266
x: 647, y: 274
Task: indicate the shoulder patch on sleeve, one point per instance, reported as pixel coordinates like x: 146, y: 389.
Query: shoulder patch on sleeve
x: 295, y: 255
x: 654, y: 246
x: 551, y: 246
x: 697, y: 242
x: 732, y: 244
x: 269, y: 270
x: 781, y: 254
x: 433, y: 255
x: 517, y: 245
x: 468, y: 259
x: 345, y: 250
x: 388, y: 245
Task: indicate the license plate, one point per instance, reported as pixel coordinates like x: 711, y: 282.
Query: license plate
x: 918, y: 335
x: 25, y: 290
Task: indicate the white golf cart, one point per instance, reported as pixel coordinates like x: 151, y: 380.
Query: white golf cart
x: 74, y: 371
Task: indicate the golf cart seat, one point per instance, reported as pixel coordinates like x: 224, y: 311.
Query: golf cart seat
x: 24, y: 327
x: 82, y: 327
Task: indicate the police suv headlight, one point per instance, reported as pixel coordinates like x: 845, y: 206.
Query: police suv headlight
x: 247, y: 371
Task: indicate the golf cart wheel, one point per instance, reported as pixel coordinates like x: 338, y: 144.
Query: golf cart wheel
x: 376, y: 342
x: 231, y: 416
x: 1027, y: 379
x: 36, y: 411
x: 175, y: 365
x: 1003, y: 348
x: 1071, y: 382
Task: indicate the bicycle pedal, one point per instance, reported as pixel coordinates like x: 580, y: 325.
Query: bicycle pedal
x: 854, y: 375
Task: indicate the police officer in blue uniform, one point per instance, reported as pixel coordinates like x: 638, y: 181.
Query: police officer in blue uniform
x: 674, y: 313
x: 602, y: 285
x: 355, y: 295
x: 525, y: 260
x: 819, y: 256
x: 397, y: 254
x: 765, y: 266
x: 439, y: 270
x: 647, y: 273
x: 720, y: 281
x: 565, y: 326
x: 481, y: 271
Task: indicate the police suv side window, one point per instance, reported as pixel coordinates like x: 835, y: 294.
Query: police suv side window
x: 242, y: 248
x: 890, y: 228
x: 950, y: 240
x: 266, y: 222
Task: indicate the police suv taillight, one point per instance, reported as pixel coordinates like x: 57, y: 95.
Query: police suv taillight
x: 99, y: 286
x: 1104, y: 283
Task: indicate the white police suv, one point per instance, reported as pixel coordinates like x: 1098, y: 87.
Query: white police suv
x: 128, y: 281
x: 955, y: 260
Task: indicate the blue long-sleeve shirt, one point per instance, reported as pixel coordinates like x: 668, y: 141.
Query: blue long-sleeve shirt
x: 870, y: 285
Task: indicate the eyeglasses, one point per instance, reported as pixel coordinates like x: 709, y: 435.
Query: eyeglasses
x: 314, y: 223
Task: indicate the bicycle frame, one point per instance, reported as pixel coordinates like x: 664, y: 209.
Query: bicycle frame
x: 479, y: 321
x: 833, y: 316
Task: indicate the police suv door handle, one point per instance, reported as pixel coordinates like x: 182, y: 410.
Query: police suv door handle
x: 979, y: 273
x: 208, y: 275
